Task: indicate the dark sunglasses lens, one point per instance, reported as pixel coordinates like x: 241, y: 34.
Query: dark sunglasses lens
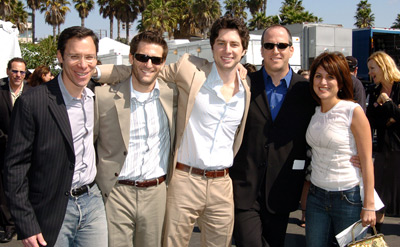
x: 269, y: 46
x: 282, y: 45
x: 156, y: 60
x: 144, y: 58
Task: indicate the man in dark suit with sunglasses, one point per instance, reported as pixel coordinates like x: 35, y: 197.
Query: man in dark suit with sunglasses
x: 14, y: 86
x: 268, y: 171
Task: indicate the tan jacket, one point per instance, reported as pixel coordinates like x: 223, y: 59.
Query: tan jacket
x: 189, y: 74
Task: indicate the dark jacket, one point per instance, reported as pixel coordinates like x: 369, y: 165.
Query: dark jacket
x: 265, y: 160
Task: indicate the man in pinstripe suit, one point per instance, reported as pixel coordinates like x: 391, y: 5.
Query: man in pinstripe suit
x: 50, y: 160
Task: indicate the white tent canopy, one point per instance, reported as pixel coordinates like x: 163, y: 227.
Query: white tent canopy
x: 107, y: 45
x: 9, y: 45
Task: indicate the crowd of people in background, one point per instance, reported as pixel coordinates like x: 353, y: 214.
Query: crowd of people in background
x: 139, y: 161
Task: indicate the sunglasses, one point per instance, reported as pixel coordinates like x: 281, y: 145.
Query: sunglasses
x: 144, y: 58
x: 16, y: 72
x: 281, y: 46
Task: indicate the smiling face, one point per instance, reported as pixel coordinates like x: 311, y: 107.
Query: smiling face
x: 325, y: 85
x: 145, y: 73
x: 227, y: 49
x: 76, y: 73
x: 375, y: 72
x: 276, y: 61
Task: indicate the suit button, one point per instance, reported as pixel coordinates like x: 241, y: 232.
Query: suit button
x: 71, y: 166
x: 125, y: 153
x: 266, y: 146
x: 66, y: 193
x: 116, y: 174
x: 105, y: 195
x: 263, y: 164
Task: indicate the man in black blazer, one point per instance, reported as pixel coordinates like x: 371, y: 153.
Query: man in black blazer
x: 50, y: 160
x: 12, y: 87
x: 268, y: 172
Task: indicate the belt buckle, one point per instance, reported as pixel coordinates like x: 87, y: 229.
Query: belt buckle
x: 205, y: 173
x: 137, y: 183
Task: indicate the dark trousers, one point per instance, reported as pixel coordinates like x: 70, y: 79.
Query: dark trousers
x: 6, y: 220
x: 257, y: 227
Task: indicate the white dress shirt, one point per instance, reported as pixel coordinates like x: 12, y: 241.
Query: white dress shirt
x: 81, y: 118
x: 207, y: 141
x: 149, y: 139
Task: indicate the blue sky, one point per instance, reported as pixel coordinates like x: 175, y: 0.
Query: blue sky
x: 331, y: 11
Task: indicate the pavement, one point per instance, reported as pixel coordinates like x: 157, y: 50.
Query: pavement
x: 294, y: 235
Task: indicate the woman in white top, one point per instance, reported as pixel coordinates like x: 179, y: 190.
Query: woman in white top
x: 338, y: 130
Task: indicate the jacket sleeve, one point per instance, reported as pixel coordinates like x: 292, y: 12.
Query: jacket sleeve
x: 112, y: 74
x: 16, y: 168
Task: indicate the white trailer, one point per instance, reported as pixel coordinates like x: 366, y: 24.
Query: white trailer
x: 9, y: 45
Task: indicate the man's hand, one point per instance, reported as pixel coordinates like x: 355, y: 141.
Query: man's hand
x: 33, y: 241
x: 242, y: 71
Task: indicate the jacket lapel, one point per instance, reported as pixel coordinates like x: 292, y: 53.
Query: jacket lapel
x: 123, y: 105
x: 259, y: 94
x: 58, y: 109
x: 167, y: 102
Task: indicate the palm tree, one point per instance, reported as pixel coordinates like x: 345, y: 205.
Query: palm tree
x: 55, y: 11
x: 34, y: 5
x: 236, y: 8
x: 396, y: 23
x: 18, y: 16
x: 83, y: 7
x: 6, y: 8
x: 160, y: 16
x: 205, y: 13
x: 127, y: 11
x: 292, y: 11
x: 364, y: 17
x: 107, y: 10
x: 260, y: 21
x: 255, y: 6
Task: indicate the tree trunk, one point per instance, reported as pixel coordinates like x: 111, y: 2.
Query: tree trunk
x: 111, y: 26
x: 59, y: 29
x: 82, y: 22
x: 127, y: 32
x: 54, y: 33
x: 265, y: 8
x: 33, y: 25
x: 118, y: 29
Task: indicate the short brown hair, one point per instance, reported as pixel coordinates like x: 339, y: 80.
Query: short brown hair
x: 334, y: 64
x: 75, y: 32
x: 228, y: 22
x: 15, y: 59
x: 150, y: 37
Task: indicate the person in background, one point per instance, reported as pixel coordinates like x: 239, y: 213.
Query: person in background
x: 358, y: 88
x: 383, y: 113
x: 41, y: 75
x: 14, y: 86
x: 304, y: 73
x: 337, y: 131
x: 250, y: 67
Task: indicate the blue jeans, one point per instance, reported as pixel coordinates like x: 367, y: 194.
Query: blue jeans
x: 330, y: 212
x: 85, y: 221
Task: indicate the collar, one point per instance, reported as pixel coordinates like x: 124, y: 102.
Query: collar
x: 20, y: 90
x: 153, y: 93
x: 287, y: 78
x: 214, y: 80
x: 66, y: 96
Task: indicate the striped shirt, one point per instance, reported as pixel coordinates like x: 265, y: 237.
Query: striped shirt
x: 149, y: 138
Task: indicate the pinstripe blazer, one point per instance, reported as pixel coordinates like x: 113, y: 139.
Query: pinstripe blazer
x: 39, y: 163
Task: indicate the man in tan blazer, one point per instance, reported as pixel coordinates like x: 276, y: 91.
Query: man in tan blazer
x: 134, y: 131
x: 212, y: 109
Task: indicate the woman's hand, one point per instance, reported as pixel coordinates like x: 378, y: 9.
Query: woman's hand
x: 368, y: 217
x: 383, y: 97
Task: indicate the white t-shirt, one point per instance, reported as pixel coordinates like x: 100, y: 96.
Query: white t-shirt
x: 332, y: 142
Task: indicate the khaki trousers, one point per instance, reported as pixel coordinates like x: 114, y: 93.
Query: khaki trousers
x: 135, y: 216
x: 208, y: 200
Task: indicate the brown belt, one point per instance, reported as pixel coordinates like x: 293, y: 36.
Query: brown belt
x: 201, y: 172
x: 143, y: 184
